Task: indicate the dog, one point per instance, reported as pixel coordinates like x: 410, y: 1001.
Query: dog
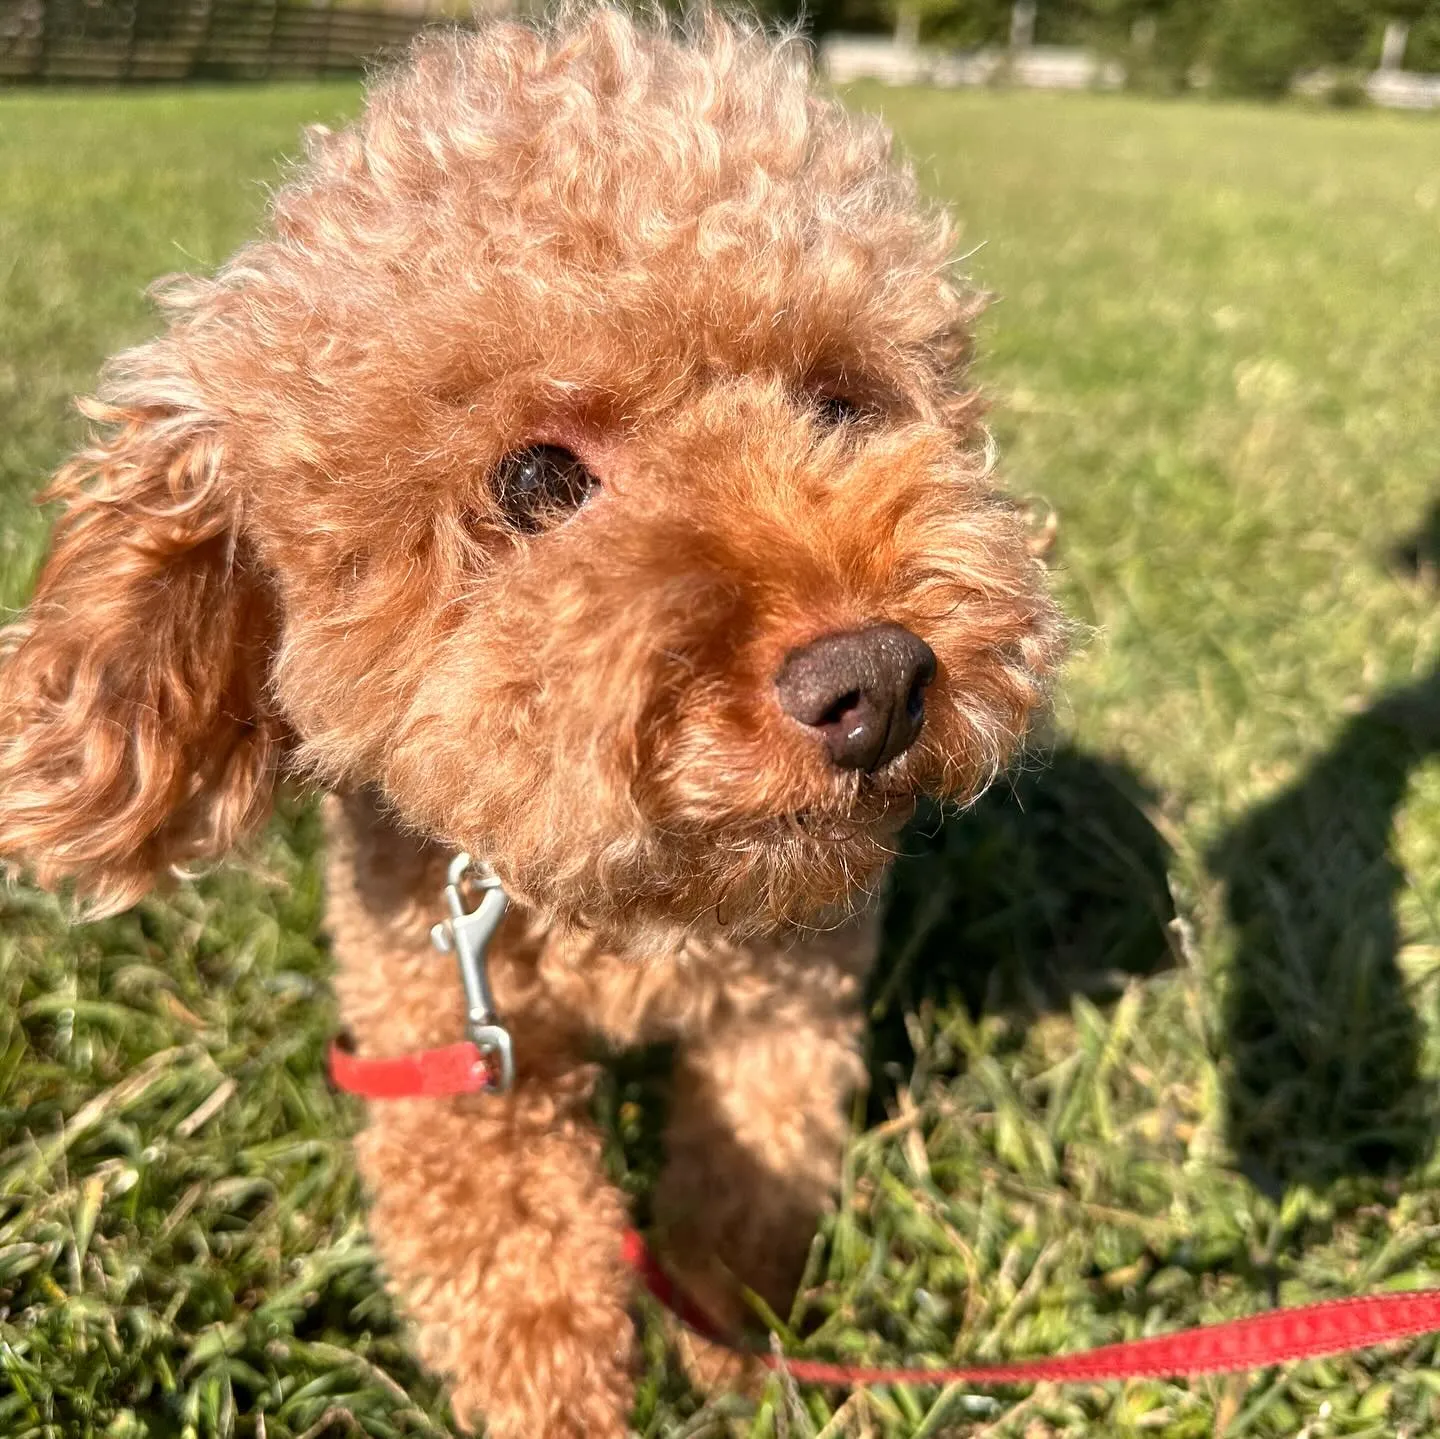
x: 582, y: 473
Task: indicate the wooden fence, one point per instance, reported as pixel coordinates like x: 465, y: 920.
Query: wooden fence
x: 138, y: 40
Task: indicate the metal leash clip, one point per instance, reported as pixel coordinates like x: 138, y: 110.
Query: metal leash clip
x: 467, y: 934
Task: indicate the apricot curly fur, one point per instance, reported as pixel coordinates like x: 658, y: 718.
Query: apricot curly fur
x: 662, y: 251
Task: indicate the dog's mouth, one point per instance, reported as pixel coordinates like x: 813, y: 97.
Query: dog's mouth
x: 874, y: 810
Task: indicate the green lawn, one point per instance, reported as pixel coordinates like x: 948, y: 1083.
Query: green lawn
x: 1160, y: 1038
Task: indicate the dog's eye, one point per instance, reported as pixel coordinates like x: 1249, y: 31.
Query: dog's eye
x: 541, y: 485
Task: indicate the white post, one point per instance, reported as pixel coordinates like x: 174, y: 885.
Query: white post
x: 1022, y: 25
x: 907, y: 27
x: 1392, y: 51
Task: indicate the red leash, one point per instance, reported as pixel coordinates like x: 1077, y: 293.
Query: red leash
x: 1335, y: 1326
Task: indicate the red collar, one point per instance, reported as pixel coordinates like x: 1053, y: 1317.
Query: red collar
x: 483, y: 1062
x: 427, y: 1074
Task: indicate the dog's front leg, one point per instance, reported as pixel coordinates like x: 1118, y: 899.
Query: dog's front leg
x: 758, y: 1125
x: 498, y: 1231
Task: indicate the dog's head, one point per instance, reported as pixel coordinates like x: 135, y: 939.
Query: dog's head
x: 585, y: 460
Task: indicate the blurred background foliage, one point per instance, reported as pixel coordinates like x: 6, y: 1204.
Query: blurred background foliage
x: 1229, y: 47
x: 1253, y: 47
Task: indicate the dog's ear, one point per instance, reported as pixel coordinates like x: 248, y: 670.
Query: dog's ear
x: 134, y: 732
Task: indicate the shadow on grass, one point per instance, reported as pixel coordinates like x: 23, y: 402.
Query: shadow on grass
x: 1051, y: 886
x: 1417, y: 556
x: 1322, y: 1043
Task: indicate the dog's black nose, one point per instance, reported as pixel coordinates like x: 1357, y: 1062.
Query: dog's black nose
x: 862, y: 691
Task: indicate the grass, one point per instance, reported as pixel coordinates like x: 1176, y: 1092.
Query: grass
x: 1159, y: 1035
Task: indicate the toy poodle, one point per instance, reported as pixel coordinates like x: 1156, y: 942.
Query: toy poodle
x: 581, y: 474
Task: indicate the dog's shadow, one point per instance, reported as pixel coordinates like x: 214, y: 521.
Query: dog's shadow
x: 1416, y: 557
x: 1321, y: 1040
x: 1054, y: 884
